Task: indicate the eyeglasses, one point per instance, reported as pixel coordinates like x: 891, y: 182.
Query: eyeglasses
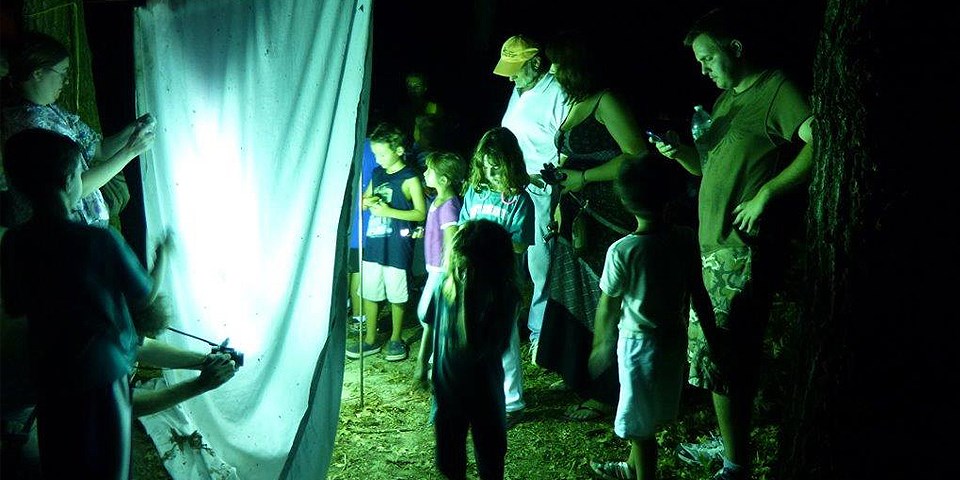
x: 64, y: 76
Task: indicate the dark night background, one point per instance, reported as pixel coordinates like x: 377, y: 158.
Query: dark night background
x: 457, y: 43
x: 870, y: 363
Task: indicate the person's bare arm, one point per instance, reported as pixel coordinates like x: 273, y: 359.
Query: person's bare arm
x: 622, y: 126
x: 414, y: 191
x: 448, y: 233
x: 216, y: 370
x: 157, y: 273
x: 109, y: 146
x: 163, y: 355
x: 604, y: 333
x: 368, y: 199
x: 115, y: 153
x: 420, y: 375
x: 797, y: 173
x: 686, y: 155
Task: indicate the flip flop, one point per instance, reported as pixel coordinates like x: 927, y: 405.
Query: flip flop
x: 586, y: 411
x: 558, y: 386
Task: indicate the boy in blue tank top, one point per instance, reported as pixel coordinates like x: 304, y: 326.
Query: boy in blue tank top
x: 394, y: 198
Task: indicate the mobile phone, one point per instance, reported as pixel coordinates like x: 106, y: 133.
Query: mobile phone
x: 655, y: 137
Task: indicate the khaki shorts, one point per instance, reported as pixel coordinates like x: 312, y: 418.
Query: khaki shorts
x: 380, y: 282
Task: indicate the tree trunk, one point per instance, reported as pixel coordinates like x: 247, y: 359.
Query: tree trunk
x: 878, y: 328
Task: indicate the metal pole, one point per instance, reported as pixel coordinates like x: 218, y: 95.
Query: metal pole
x: 361, y: 332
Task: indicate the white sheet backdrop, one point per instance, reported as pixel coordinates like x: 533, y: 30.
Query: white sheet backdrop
x: 257, y: 104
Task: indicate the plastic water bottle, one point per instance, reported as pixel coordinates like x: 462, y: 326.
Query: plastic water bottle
x: 700, y: 122
x: 699, y: 125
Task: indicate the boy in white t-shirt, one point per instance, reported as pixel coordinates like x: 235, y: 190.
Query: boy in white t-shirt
x: 650, y: 279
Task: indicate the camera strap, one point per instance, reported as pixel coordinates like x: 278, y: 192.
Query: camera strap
x: 585, y: 208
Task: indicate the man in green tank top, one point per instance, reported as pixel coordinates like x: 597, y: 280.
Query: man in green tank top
x: 757, y: 154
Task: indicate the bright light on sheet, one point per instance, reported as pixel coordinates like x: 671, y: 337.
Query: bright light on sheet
x: 257, y: 106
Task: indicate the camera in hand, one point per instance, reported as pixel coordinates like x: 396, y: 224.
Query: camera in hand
x: 236, y: 356
x: 552, y: 175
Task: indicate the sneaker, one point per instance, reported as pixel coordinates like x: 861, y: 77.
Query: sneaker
x: 701, y: 453
x: 726, y: 473
x: 613, y: 470
x: 396, y: 350
x: 513, y: 418
x: 356, y: 350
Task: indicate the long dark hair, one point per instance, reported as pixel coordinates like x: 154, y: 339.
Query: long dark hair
x: 578, y: 70
x: 482, y: 273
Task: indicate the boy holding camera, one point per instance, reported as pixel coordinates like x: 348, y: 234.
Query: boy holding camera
x: 395, y: 200
x: 75, y: 285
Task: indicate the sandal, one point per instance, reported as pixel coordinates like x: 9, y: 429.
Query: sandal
x: 613, y: 470
x: 586, y: 411
x: 559, y: 386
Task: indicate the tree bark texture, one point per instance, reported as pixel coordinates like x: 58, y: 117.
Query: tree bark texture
x: 879, y: 326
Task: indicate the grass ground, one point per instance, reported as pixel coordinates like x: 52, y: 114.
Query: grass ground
x: 388, y: 437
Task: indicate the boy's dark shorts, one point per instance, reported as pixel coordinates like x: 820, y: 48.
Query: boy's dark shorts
x: 742, y: 311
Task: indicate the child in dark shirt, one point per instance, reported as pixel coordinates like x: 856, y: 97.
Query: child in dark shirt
x: 75, y: 285
x: 467, y: 328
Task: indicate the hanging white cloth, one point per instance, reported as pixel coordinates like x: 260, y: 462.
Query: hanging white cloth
x: 257, y: 104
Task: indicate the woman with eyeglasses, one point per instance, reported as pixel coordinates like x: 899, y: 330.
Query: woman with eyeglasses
x: 39, y: 71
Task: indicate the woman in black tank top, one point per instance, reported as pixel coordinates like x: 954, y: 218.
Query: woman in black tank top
x: 598, y: 134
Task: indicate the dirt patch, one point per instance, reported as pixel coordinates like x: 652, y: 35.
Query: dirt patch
x: 389, y: 436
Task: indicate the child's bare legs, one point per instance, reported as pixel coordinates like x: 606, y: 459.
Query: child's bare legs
x: 396, y: 315
x: 370, y: 310
x: 643, y: 458
x: 356, y: 305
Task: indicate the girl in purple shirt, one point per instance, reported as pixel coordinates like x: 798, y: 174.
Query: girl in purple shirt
x: 445, y: 173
